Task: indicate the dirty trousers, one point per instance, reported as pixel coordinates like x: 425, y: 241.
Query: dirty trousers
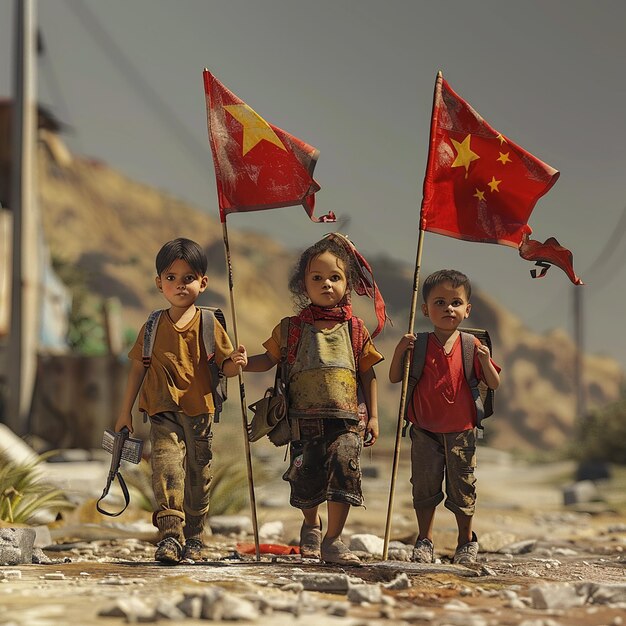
x: 325, y: 463
x: 436, y: 457
x: 181, y: 471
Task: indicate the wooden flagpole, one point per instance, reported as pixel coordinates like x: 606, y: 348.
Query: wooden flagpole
x: 416, y: 280
x: 242, y: 394
x: 403, y: 398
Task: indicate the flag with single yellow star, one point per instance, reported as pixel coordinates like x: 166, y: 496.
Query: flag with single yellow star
x: 257, y: 165
x: 479, y: 185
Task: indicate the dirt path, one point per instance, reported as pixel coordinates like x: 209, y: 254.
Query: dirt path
x: 534, y: 552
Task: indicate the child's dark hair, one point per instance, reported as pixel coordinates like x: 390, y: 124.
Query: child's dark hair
x: 184, y: 249
x: 296, y: 282
x: 458, y: 279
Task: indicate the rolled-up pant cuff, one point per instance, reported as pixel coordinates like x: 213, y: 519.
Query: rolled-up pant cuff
x: 468, y: 511
x: 428, y: 503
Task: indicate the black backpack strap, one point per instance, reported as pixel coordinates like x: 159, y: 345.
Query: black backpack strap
x: 149, y: 335
x: 418, y: 359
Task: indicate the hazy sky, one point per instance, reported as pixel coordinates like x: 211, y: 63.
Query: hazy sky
x: 355, y: 79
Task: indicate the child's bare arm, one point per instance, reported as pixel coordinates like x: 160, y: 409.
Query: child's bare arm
x: 237, y: 359
x: 490, y: 374
x: 260, y: 363
x: 370, y: 391
x: 133, y: 385
x: 396, y: 369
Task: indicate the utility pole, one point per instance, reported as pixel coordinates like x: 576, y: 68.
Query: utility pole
x: 581, y: 408
x: 24, y: 333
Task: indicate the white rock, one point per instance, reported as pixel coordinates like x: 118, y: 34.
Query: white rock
x: 556, y: 596
x: 272, y: 530
x: 367, y: 543
x: 401, y: 581
x: 230, y: 524
x: 358, y: 594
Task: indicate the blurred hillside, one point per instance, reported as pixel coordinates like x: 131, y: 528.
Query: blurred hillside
x: 110, y: 227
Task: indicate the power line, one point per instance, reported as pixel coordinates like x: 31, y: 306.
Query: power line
x: 152, y: 98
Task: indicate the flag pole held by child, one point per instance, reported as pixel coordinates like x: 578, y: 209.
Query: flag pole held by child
x: 257, y: 166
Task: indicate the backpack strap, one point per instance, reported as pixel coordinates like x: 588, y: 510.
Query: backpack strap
x: 469, y: 347
x: 207, y: 324
x: 357, y: 332
x: 149, y: 334
x: 418, y: 359
x: 282, y: 368
x: 218, y: 380
x: 284, y: 339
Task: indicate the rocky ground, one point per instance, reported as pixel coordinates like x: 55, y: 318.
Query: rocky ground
x: 541, y: 563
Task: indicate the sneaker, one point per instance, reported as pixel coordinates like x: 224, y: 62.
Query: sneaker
x: 467, y: 553
x: 168, y: 551
x: 193, y: 550
x: 423, y: 551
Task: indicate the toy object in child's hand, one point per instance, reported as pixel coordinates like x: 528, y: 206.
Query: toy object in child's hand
x: 121, y: 446
x: 130, y: 448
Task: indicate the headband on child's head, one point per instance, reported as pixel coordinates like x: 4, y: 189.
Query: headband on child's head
x: 365, y: 284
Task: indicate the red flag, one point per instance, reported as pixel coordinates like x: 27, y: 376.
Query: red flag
x: 551, y: 251
x: 257, y: 166
x: 479, y: 185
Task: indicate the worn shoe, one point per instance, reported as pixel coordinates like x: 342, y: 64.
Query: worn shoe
x: 310, y: 541
x: 423, y: 551
x: 193, y: 550
x: 337, y: 552
x: 168, y: 551
x: 467, y: 553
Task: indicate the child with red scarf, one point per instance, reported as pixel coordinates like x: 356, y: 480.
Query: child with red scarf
x: 329, y: 354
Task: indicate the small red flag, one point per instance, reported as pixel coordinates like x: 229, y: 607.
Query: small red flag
x: 479, y: 185
x: 257, y: 166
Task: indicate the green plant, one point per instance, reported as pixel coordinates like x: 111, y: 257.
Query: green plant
x: 85, y: 333
x: 23, y: 493
x: 229, y: 486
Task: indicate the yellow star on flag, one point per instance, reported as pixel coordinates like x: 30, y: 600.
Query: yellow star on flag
x: 464, y: 154
x: 480, y: 195
x: 504, y: 158
x: 255, y: 128
x: 493, y: 184
x: 501, y: 138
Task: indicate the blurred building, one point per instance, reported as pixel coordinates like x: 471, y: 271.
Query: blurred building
x: 55, y: 298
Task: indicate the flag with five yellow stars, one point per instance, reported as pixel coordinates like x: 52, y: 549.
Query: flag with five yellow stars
x: 479, y: 185
x: 257, y: 165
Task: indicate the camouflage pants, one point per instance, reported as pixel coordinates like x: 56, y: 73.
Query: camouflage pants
x: 438, y: 455
x: 181, y: 466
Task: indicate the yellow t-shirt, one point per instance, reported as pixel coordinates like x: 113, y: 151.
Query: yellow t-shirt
x: 178, y: 378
